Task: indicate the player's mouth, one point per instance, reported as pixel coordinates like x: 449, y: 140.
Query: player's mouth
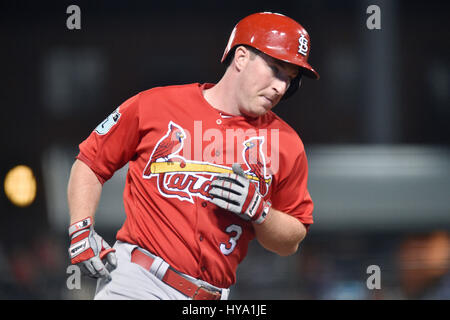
x: 268, y: 100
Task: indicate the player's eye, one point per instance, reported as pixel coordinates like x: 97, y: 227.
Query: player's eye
x: 275, y: 69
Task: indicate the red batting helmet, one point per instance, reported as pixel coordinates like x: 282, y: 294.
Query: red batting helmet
x: 277, y: 36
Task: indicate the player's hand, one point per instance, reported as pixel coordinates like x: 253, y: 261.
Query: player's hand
x: 234, y: 192
x: 89, y: 251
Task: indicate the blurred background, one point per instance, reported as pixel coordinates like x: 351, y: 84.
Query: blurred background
x: 375, y: 127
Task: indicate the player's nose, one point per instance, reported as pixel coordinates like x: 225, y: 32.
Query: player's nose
x: 280, y: 85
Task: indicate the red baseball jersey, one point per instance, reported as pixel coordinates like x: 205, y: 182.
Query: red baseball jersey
x: 175, y: 143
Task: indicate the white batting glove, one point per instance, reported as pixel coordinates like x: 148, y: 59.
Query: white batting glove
x: 89, y: 251
x: 234, y: 192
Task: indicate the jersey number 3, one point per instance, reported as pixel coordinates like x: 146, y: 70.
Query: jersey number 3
x: 235, y: 232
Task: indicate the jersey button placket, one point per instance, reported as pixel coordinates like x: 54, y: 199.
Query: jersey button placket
x: 201, y: 236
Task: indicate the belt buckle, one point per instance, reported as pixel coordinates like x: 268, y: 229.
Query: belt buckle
x: 216, y: 295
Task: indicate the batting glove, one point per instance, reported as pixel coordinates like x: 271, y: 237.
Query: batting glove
x: 235, y: 193
x: 89, y: 251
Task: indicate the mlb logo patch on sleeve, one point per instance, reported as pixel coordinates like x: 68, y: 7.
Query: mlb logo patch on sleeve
x: 108, y: 123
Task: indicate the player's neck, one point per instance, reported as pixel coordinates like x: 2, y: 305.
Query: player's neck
x: 220, y: 98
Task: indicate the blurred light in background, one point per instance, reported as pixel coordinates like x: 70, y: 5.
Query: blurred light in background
x: 20, y: 186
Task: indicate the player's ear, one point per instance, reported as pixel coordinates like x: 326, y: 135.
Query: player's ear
x: 241, y: 57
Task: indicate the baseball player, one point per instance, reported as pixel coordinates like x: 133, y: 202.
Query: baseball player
x: 211, y: 167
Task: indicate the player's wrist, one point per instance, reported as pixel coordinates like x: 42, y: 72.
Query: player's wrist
x: 79, y: 225
x: 255, y: 208
x: 262, y: 213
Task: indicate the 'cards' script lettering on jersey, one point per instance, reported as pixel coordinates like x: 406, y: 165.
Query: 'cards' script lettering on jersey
x: 182, y: 178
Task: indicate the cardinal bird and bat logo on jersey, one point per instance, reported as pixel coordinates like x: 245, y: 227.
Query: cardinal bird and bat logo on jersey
x: 178, y: 177
x: 255, y: 160
x: 168, y: 146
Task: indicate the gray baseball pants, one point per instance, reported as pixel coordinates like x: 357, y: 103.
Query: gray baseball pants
x: 130, y: 281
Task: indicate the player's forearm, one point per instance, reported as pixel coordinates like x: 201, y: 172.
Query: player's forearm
x: 280, y: 233
x: 83, y: 192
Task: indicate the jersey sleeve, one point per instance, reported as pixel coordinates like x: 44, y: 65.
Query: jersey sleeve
x: 291, y: 195
x: 113, y: 142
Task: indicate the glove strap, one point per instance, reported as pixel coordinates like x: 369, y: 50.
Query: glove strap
x: 265, y: 211
x: 80, y: 225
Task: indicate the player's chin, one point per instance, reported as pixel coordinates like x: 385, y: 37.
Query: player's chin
x: 258, y: 107
x: 261, y: 106
x: 257, y: 112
